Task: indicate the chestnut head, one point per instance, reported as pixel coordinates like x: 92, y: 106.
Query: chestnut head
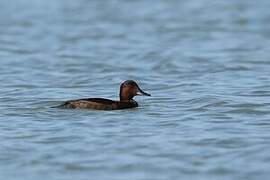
x: 129, y: 89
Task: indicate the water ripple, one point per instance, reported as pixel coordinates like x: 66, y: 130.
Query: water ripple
x: 205, y: 63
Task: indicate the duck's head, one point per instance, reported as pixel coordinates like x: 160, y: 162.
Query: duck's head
x: 129, y: 89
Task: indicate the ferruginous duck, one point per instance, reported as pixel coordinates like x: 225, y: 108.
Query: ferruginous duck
x: 128, y: 90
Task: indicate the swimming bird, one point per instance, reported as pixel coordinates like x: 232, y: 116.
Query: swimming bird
x: 128, y: 90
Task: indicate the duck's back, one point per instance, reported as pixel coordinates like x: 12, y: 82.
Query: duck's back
x: 99, y: 104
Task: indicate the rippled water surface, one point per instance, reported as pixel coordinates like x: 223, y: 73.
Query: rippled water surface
x: 206, y: 64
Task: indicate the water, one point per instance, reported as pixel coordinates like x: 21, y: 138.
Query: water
x: 206, y: 64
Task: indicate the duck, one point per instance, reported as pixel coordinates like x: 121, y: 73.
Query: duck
x: 128, y: 90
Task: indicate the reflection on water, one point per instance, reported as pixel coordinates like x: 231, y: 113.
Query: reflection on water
x: 206, y: 65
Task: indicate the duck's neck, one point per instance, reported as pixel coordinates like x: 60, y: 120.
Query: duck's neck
x: 125, y: 99
x: 124, y: 96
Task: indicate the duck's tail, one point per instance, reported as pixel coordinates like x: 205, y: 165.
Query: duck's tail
x: 56, y: 106
x: 63, y: 105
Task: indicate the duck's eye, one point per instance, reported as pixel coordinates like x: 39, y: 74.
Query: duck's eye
x: 125, y: 85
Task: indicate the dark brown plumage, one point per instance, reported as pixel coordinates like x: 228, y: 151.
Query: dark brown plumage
x: 128, y: 90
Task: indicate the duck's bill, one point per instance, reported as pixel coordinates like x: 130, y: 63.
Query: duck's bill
x: 142, y: 93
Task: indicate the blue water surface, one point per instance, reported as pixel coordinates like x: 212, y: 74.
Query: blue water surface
x: 206, y: 64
